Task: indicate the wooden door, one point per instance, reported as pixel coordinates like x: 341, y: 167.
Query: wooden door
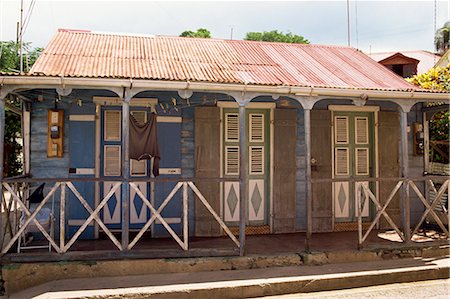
x: 258, y: 144
x: 353, y: 150
x: 111, y: 167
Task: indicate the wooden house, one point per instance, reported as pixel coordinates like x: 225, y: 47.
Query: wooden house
x: 254, y: 138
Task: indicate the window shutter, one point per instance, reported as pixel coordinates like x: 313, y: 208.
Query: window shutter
x: 256, y: 160
x: 256, y: 128
x: 140, y: 116
x: 362, y: 161
x: 341, y: 130
x: 232, y: 127
x: 232, y: 160
x: 362, y: 130
x: 138, y: 168
x: 341, y: 167
x: 112, y: 125
x: 112, y: 160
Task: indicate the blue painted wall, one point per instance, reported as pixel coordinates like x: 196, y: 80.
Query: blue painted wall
x: 44, y: 167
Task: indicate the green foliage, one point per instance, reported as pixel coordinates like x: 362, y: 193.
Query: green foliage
x: 276, y: 36
x: 442, y: 38
x: 436, y: 79
x: 13, y: 150
x: 9, y: 59
x: 10, y: 62
x: 201, y: 33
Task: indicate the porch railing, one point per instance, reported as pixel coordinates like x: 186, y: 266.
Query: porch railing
x: 61, y: 246
x: 405, y: 185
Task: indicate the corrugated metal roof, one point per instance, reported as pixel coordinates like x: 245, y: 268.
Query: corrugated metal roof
x: 89, y: 54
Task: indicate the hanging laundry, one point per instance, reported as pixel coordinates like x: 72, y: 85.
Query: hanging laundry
x: 144, y: 141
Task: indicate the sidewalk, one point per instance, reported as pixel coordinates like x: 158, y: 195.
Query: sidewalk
x: 246, y: 283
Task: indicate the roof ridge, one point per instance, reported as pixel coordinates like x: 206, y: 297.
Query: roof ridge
x: 81, y: 31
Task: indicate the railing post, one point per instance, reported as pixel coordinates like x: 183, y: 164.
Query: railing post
x: 405, y: 203
x: 307, y: 120
x: 2, y: 147
x: 185, y: 216
x: 62, y: 218
x: 358, y: 202
x: 243, y: 193
x: 125, y: 172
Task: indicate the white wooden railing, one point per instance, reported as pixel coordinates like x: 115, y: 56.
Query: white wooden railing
x: 381, y: 210
x: 156, y: 213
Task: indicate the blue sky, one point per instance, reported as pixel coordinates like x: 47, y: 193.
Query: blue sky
x: 375, y: 25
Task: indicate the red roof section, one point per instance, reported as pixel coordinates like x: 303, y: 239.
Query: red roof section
x: 79, y: 53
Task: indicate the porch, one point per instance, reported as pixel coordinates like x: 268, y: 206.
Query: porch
x: 370, y: 235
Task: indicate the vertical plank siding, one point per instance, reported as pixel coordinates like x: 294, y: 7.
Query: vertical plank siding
x: 284, y: 190
x: 389, y: 140
x: 207, y: 161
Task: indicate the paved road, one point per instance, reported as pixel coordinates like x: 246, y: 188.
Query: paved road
x: 436, y: 289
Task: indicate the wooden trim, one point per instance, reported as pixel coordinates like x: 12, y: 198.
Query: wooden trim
x: 77, y: 117
x: 251, y: 105
x: 134, y: 102
x: 78, y: 222
x: 169, y: 119
x: 352, y: 108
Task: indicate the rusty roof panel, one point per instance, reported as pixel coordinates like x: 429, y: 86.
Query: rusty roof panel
x: 89, y: 54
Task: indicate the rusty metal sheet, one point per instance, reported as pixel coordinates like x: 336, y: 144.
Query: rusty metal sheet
x: 75, y: 53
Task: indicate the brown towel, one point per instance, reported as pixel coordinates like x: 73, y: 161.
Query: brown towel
x: 144, y: 141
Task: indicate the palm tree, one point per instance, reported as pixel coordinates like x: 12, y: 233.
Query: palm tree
x: 442, y: 38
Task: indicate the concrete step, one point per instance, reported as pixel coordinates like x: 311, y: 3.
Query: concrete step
x: 246, y: 283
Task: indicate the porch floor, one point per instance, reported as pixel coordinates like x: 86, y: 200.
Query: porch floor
x: 220, y: 246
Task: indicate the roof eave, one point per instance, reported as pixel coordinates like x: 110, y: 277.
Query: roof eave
x: 31, y: 82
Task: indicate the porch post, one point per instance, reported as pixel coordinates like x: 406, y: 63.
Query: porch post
x: 125, y: 172
x: 243, y: 194
x: 2, y: 140
x: 2, y: 147
x: 307, y: 124
x: 405, y: 203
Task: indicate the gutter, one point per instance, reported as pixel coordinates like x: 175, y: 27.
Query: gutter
x: 32, y: 82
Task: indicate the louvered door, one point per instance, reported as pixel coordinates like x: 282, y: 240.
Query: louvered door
x: 258, y: 165
x: 111, y: 161
x: 353, y: 158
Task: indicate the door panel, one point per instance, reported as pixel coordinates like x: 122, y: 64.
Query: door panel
x: 169, y: 139
x: 81, y: 165
x: 258, y: 142
x: 353, y: 158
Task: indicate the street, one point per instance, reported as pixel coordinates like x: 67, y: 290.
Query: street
x: 423, y: 289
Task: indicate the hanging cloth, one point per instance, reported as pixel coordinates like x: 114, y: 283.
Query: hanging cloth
x: 144, y: 141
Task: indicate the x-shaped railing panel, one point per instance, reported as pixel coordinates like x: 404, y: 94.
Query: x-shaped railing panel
x: 31, y: 217
x: 381, y: 210
x: 430, y: 208
x: 93, y: 216
x: 156, y: 214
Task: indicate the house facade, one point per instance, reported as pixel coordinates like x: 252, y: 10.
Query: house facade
x: 254, y: 138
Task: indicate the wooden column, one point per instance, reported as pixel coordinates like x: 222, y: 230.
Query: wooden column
x: 405, y: 203
x: 307, y: 124
x: 125, y: 172
x: 2, y: 139
x: 243, y: 193
x: 2, y: 148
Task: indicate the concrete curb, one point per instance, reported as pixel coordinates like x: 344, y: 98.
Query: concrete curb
x: 268, y: 286
x: 26, y: 275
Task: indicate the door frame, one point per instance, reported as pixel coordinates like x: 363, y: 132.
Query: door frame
x: 351, y: 108
x: 252, y: 105
x: 100, y: 102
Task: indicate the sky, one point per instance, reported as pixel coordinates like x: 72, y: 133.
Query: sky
x: 376, y: 26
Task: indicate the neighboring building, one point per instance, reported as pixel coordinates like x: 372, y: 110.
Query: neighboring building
x: 278, y: 138
x: 406, y: 63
